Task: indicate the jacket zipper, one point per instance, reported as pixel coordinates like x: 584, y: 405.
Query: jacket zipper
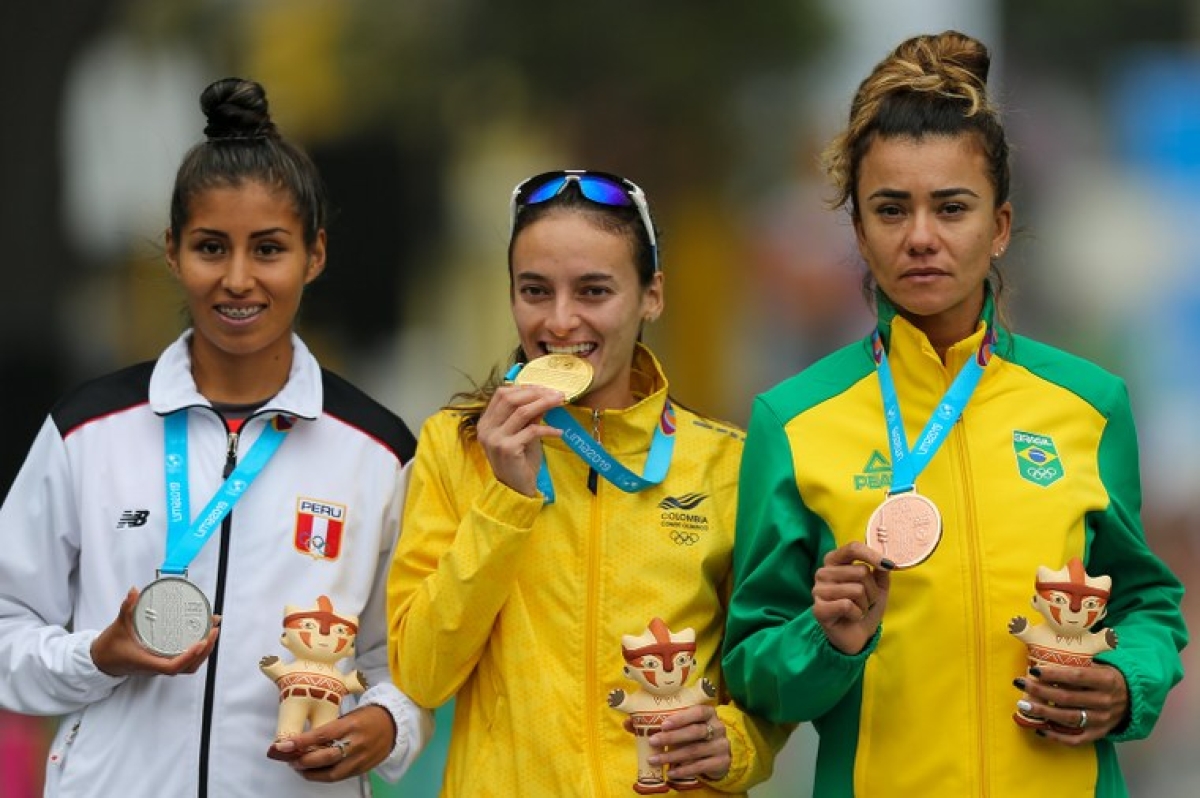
x: 975, y: 581
x: 210, y: 678
x: 593, y: 476
x: 593, y: 545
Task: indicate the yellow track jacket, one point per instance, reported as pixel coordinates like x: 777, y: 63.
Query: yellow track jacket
x: 517, y: 608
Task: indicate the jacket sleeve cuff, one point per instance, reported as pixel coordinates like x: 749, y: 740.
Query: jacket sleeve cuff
x: 414, y: 727
x: 502, y: 504
x: 99, y: 684
x: 735, y: 779
x: 1140, y: 717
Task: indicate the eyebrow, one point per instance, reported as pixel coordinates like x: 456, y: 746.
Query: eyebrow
x: 271, y: 231
x: 589, y: 277
x: 941, y: 193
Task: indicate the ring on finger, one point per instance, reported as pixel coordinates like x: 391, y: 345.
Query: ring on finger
x: 708, y: 732
x: 1082, y: 719
x: 342, y: 745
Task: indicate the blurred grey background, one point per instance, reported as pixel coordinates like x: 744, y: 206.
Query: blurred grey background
x: 423, y: 114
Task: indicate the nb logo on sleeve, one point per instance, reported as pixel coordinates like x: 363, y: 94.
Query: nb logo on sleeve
x: 132, y: 518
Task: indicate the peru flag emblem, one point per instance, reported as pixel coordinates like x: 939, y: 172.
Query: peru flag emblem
x: 319, y: 527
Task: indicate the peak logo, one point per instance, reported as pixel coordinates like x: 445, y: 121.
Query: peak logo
x: 684, y: 525
x: 875, y: 475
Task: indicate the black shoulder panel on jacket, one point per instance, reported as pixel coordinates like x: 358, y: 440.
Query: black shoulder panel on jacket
x: 352, y: 406
x: 103, y: 396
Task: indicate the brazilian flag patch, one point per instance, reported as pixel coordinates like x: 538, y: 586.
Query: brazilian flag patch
x: 1037, y: 459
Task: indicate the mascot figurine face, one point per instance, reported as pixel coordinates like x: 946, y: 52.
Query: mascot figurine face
x: 318, y: 633
x: 1070, y: 600
x: 658, y: 659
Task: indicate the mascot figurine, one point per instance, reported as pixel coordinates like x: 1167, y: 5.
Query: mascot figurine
x: 311, y: 689
x: 1072, y: 603
x: 660, y: 661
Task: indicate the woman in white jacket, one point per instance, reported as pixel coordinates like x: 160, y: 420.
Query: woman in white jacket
x: 167, y: 513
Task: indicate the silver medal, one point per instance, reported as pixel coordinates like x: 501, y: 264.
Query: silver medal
x: 171, y: 615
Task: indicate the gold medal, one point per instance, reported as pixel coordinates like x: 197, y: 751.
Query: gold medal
x: 567, y: 373
x: 906, y: 529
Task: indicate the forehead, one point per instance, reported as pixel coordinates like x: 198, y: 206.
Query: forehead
x: 570, y: 242
x: 247, y: 200
x: 930, y: 163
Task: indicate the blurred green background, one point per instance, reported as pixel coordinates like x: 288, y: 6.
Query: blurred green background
x: 423, y: 114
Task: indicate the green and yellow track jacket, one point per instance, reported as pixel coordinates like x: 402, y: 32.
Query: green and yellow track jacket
x: 1041, y: 467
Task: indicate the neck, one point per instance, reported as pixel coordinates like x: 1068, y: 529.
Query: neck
x: 235, y: 379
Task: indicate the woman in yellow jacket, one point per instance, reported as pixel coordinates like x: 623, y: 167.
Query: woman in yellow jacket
x: 538, y: 535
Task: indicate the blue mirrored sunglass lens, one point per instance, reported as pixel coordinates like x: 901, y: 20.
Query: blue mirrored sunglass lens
x: 604, y: 191
x: 545, y: 191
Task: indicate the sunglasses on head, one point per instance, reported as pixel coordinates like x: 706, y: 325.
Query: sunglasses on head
x: 601, y: 188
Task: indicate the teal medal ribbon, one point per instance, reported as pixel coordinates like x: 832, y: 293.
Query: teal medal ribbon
x: 658, y: 460
x: 908, y: 463
x: 185, y: 538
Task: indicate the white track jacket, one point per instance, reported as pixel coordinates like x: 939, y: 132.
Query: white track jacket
x: 85, y: 520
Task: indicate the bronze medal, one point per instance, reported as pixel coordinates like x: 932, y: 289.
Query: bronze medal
x: 171, y: 615
x: 567, y: 373
x: 905, y: 528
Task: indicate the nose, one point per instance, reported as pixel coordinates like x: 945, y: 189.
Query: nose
x: 922, y: 233
x: 564, y: 317
x: 239, y: 274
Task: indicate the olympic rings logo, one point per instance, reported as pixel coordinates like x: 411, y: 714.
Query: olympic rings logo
x: 684, y: 538
x: 1049, y: 472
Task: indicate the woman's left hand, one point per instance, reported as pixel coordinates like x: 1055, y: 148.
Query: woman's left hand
x: 1094, y: 700
x: 350, y: 746
x: 695, y: 742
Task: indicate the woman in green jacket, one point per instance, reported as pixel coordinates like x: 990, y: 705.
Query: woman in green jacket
x: 1022, y: 456
x: 540, y: 538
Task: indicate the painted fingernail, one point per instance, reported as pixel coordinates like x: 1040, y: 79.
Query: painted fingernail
x: 1024, y: 706
x: 1019, y: 684
x: 887, y: 564
x: 1035, y: 671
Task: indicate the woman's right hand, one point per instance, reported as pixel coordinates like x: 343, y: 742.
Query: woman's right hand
x: 850, y: 594
x: 510, y: 432
x: 117, y: 651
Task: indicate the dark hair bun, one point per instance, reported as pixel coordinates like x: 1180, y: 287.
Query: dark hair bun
x: 236, y: 109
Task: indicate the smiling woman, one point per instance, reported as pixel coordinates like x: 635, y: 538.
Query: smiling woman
x: 236, y: 411
x: 242, y: 260
x: 538, y: 534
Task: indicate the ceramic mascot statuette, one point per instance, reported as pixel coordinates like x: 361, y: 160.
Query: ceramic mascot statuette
x: 660, y: 661
x: 311, y: 689
x: 1072, y: 603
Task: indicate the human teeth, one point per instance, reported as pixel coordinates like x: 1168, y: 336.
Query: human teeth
x: 238, y: 313
x: 573, y: 349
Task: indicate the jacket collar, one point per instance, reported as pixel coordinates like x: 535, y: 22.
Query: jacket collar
x: 628, y: 429
x: 893, y: 325
x: 172, y: 386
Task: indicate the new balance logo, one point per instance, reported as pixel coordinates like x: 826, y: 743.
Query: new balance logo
x: 131, y: 518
